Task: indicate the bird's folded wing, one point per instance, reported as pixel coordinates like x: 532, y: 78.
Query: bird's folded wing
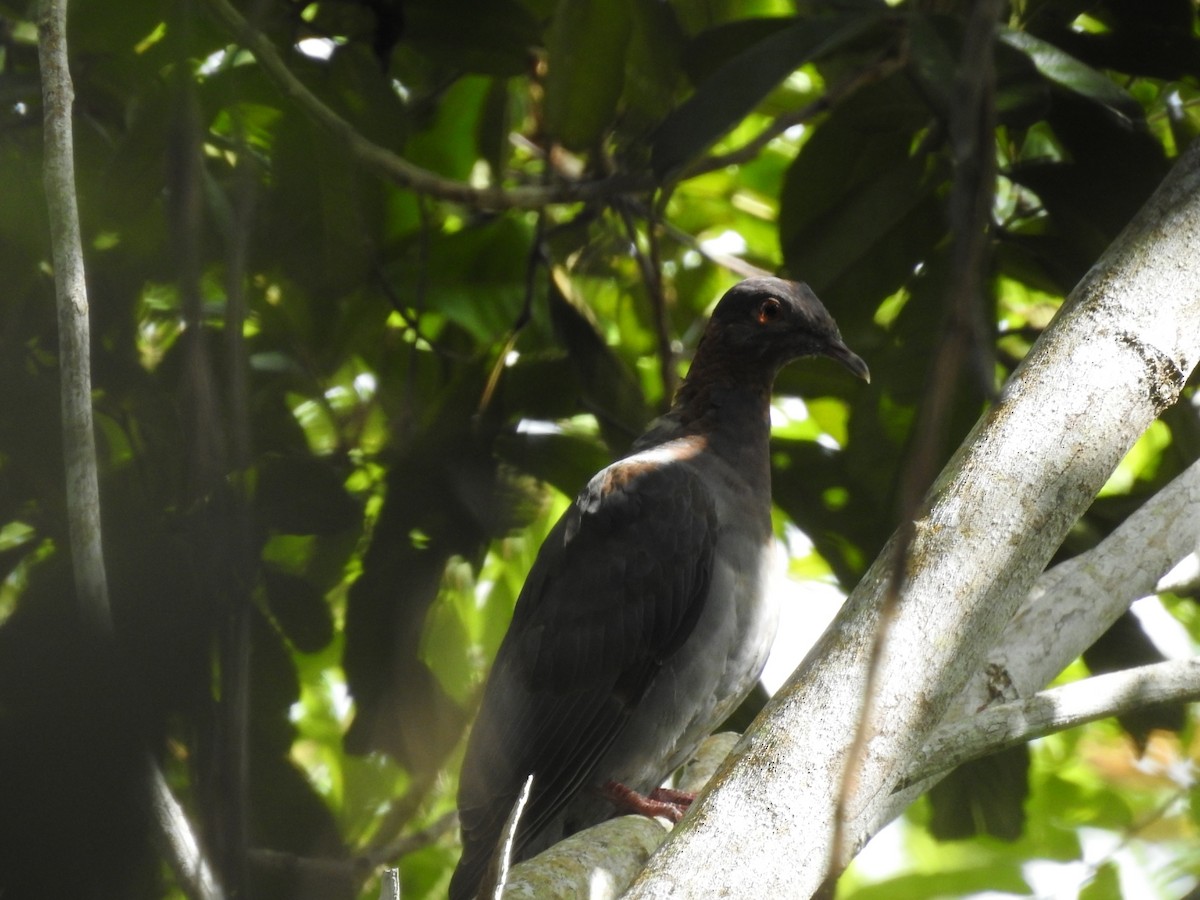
x: 615, y: 591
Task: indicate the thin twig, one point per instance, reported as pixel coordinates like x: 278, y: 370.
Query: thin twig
x: 734, y: 264
x: 1176, y: 798
x: 421, y: 290
x: 411, y: 843
x: 235, y: 300
x: 221, y: 534
x: 658, y: 297
x: 389, y: 842
x: 235, y: 663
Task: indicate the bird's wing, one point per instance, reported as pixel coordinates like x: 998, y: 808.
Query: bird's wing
x: 616, y: 589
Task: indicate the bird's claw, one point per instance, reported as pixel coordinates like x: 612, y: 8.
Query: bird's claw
x: 661, y: 802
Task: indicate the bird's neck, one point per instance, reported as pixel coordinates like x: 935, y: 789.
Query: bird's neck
x: 732, y: 413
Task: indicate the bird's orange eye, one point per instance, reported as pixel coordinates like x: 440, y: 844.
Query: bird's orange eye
x: 770, y: 311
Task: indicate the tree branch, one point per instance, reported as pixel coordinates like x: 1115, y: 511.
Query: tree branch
x: 1069, y: 706
x: 393, y: 167
x: 649, y: 264
x: 1070, y: 606
x: 178, y: 841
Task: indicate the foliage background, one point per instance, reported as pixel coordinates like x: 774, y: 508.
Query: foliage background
x: 336, y: 415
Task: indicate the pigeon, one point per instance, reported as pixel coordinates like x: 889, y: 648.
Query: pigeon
x: 645, y: 619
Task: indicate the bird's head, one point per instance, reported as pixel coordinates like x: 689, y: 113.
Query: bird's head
x: 769, y: 322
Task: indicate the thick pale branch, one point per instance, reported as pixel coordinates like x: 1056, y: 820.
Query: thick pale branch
x: 1074, y: 603
x: 1070, y: 606
x: 1069, y: 706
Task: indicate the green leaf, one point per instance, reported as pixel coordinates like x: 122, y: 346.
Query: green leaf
x: 935, y: 45
x: 742, y: 83
x: 493, y: 128
x: 320, y: 209
x: 449, y: 145
x: 1068, y: 72
x: 586, y: 49
x: 835, y: 244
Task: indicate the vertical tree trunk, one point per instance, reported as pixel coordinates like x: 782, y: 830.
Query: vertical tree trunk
x: 79, y: 444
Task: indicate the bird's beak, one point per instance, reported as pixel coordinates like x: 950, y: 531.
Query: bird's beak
x: 848, y: 358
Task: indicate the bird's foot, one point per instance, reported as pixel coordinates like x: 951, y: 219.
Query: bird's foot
x: 664, y: 802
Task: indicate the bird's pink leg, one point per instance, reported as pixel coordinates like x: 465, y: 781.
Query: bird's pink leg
x: 665, y: 802
x: 670, y: 795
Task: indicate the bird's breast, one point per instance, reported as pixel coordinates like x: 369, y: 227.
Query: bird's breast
x: 705, y: 680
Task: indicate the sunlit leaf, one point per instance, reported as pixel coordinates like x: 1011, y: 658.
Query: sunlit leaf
x: 1068, y: 72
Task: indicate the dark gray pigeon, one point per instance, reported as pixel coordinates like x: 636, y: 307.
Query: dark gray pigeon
x: 645, y: 619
